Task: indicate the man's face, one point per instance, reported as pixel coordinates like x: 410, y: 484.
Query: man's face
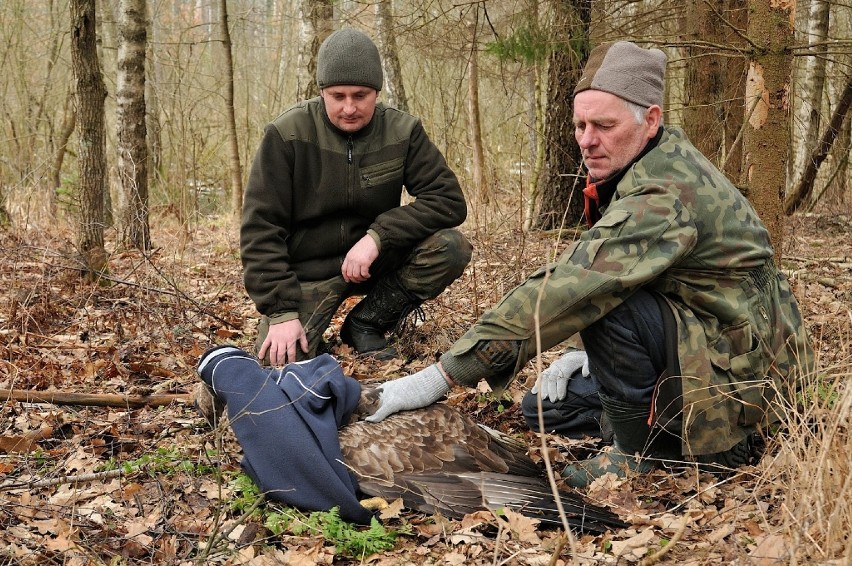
x: 607, y: 132
x: 350, y: 108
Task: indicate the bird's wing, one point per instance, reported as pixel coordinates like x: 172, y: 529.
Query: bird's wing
x: 438, y: 460
x: 434, y: 439
x: 533, y: 498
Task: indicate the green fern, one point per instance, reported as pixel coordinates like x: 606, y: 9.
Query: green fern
x: 353, y: 542
x: 348, y: 539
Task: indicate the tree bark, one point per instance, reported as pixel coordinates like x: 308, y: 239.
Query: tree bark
x: 561, y: 181
x: 236, y: 170
x: 132, y: 149
x: 474, y: 119
x: 766, y: 133
x: 807, y: 124
x: 153, y: 128
x: 315, y: 24
x: 91, y: 93
x: 711, y: 118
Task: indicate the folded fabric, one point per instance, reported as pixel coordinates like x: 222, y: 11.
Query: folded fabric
x: 286, y: 421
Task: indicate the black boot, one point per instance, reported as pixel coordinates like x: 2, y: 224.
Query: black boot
x: 384, y: 308
x: 746, y: 452
x: 632, y: 448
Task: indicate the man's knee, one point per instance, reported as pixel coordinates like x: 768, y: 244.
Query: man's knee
x: 454, y: 248
x: 627, y: 348
x: 435, y: 263
x: 578, y: 415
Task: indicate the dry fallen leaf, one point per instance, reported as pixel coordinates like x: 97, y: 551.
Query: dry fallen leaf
x: 522, y: 528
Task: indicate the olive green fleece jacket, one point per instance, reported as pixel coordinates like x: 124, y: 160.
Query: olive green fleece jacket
x: 314, y: 191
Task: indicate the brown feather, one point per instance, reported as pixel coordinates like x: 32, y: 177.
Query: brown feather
x: 439, y: 460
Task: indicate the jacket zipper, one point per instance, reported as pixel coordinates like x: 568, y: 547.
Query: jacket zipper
x: 350, y: 188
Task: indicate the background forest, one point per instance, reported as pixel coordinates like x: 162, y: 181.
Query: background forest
x: 128, y: 127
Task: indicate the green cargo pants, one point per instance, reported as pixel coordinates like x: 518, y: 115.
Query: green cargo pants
x: 425, y: 271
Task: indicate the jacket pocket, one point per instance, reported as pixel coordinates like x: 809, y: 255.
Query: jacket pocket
x: 382, y: 173
x: 739, y: 353
x: 612, y: 219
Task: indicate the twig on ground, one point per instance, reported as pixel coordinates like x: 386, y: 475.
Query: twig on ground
x: 654, y: 558
x: 80, y: 478
x: 93, y: 399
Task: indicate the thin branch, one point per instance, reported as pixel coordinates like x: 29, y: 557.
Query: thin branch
x: 654, y: 558
x: 797, y: 197
x: 92, y: 399
x: 735, y: 29
x: 79, y: 478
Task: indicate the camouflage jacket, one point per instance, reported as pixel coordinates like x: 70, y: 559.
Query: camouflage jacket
x: 678, y: 227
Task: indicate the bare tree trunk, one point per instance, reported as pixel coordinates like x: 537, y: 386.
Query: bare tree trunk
x: 91, y: 93
x: 132, y: 149
x: 474, y: 120
x: 561, y: 195
x: 536, y: 137
x: 842, y: 152
x: 394, y: 87
x: 235, y: 168
x: 69, y: 122
x: 807, y: 123
x: 153, y: 127
x: 54, y: 146
x: 315, y: 24
x: 766, y: 135
x: 803, y: 190
x: 711, y: 119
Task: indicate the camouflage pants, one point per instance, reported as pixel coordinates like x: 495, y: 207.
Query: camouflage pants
x: 425, y: 271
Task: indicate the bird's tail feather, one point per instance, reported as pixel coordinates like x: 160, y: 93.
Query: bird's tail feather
x: 455, y: 495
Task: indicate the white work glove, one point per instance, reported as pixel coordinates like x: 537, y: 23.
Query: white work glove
x: 410, y: 392
x: 554, y: 380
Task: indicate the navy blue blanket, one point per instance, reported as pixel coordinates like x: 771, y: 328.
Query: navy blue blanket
x: 286, y: 422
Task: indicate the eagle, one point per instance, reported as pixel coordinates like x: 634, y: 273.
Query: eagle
x: 439, y: 460
x: 305, y: 443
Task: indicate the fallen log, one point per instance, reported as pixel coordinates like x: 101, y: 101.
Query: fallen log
x: 93, y: 399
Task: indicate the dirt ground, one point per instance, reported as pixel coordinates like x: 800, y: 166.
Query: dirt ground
x: 121, y: 485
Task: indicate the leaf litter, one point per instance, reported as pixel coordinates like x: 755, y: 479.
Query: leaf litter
x: 93, y: 485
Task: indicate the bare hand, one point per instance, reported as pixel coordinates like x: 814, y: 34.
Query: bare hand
x: 356, y: 265
x: 281, y: 341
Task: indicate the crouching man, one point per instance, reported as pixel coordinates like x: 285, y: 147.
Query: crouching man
x: 693, y: 338
x: 322, y: 219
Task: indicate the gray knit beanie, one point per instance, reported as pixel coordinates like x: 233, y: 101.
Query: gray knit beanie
x: 627, y: 71
x: 349, y: 57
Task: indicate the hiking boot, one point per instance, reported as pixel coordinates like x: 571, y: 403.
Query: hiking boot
x: 632, y: 449
x: 385, y: 307
x: 747, y: 452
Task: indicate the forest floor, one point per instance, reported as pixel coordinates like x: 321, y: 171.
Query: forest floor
x: 82, y: 484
